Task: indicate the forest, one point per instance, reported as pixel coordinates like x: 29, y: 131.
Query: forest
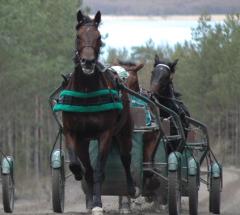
x: 37, y: 46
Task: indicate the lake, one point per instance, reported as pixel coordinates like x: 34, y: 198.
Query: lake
x: 128, y: 31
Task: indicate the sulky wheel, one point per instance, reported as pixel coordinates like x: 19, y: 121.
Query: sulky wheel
x: 215, y: 195
x: 58, y: 189
x: 193, y: 195
x: 8, y: 192
x: 174, y: 194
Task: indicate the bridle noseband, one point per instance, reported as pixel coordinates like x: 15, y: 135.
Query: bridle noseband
x: 163, y: 65
x: 160, y: 66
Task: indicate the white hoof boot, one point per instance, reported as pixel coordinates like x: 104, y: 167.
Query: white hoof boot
x: 124, y: 211
x: 137, y: 192
x: 163, y: 207
x: 97, y: 211
x: 124, y: 205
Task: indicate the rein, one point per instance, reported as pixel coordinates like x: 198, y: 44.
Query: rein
x: 167, y: 98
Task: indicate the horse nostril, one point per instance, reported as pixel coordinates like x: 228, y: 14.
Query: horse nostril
x: 83, y: 61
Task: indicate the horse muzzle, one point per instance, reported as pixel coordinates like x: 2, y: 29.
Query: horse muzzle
x: 88, y: 67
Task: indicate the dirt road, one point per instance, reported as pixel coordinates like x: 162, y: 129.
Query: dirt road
x: 74, y: 203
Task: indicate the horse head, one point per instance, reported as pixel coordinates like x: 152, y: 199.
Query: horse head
x: 132, y: 69
x: 162, y: 75
x: 88, y: 41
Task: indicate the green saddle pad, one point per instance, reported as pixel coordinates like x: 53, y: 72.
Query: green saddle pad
x: 88, y: 102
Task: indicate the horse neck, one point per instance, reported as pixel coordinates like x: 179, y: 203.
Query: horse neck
x: 167, y: 93
x: 134, y: 86
x: 81, y: 82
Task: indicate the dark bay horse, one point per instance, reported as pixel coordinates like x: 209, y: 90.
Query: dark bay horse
x: 81, y: 127
x: 161, y: 87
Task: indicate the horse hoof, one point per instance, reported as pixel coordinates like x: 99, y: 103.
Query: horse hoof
x: 160, y: 208
x: 124, y: 211
x: 97, y: 211
x: 124, y: 205
x: 89, y: 205
x: 136, y: 193
x: 149, y: 199
x: 163, y: 207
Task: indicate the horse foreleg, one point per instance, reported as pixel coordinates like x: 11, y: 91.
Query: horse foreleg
x: 125, y: 146
x: 149, y: 147
x: 124, y: 204
x: 83, y: 153
x: 75, y: 164
x: 103, y: 144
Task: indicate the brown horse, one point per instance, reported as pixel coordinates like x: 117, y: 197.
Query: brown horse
x: 80, y: 128
x: 149, y: 138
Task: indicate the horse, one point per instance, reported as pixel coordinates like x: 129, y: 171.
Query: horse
x: 161, y: 86
x: 132, y: 82
x: 149, y: 138
x: 105, y: 125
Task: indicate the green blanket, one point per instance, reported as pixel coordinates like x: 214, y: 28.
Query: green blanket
x: 69, y: 95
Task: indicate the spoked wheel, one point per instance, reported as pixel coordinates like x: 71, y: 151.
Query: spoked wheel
x: 193, y: 195
x: 58, y: 189
x: 8, y: 192
x: 174, y: 194
x: 215, y: 196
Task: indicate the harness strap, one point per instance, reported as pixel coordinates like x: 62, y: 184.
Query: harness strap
x: 123, y: 115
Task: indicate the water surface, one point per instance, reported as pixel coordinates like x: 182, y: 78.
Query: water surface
x: 136, y: 31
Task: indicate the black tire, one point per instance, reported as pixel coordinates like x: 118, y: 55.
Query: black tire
x: 8, y: 192
x: 174, y: 194
x: 58, y: 190
x: 215, y: 196
x: 193, y: 195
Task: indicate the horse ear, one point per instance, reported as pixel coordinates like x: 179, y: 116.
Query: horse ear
x: 97, y: 18
x: 138, y: 67
x: 80, y: 16
x: 173, y: 65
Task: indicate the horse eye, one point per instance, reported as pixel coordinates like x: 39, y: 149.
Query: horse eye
x: 99, y: 38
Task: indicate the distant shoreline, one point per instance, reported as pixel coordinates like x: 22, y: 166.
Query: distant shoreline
x: 170, y: 17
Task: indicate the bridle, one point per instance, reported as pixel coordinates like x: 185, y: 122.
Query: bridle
x: 82, y: 62
x: 163, y: 65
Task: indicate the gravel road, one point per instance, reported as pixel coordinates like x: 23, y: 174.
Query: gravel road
x: 74, y: 203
